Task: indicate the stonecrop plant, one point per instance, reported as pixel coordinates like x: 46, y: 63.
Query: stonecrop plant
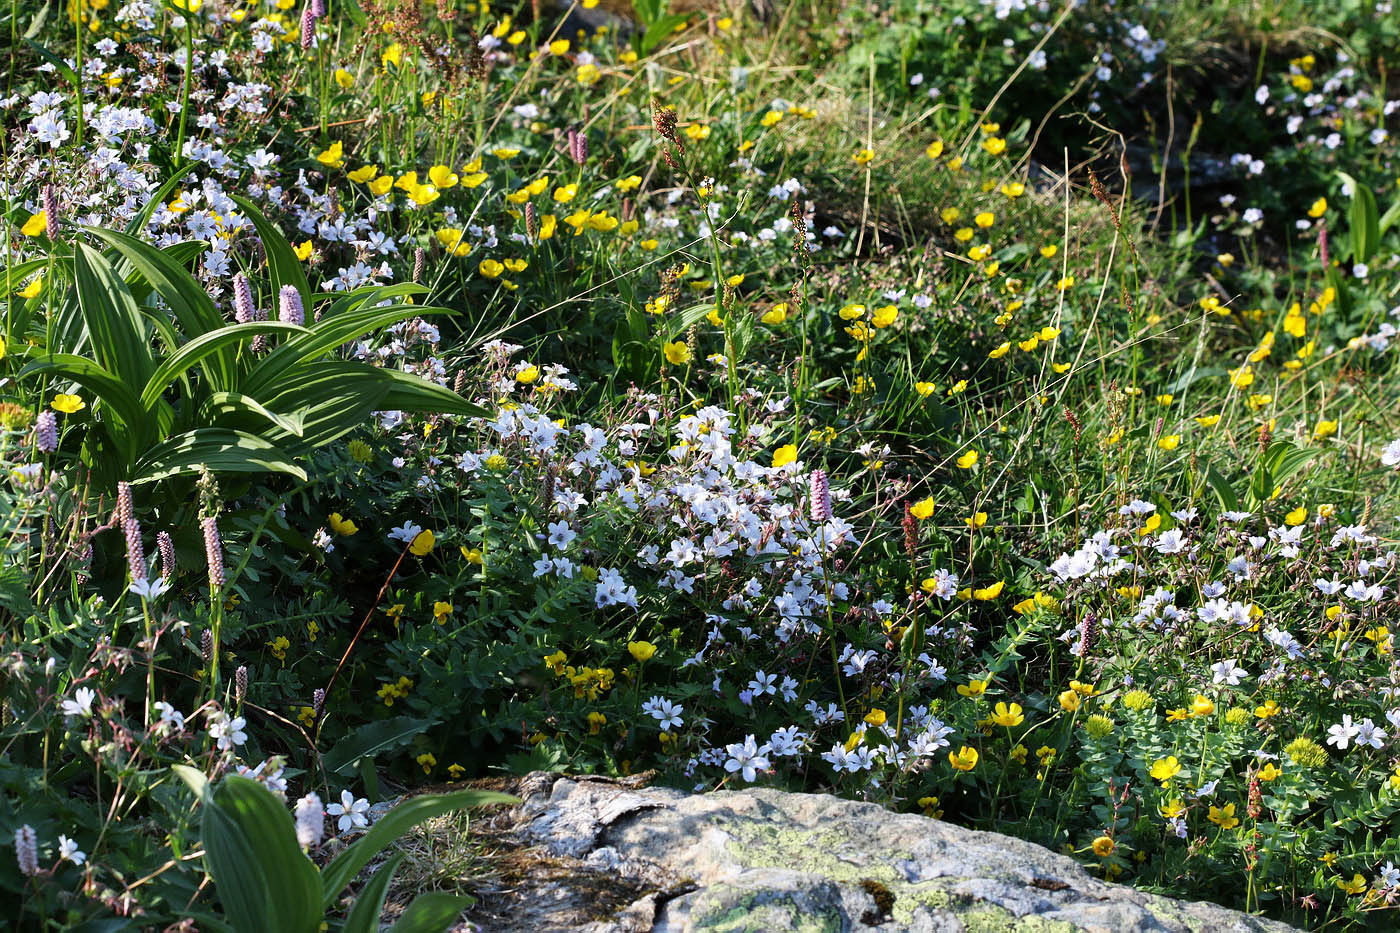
x: 984, y: 408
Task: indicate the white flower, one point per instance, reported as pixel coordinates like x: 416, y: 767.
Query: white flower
x: 68, y: 849
x: 748, y: 758
x: 1390, y: 456
x: 81, y: 704
x: 1228, y: 672
x: 1342, y: 733
x: 405, y: 532
x: 150, y: 589
x: 170, y: 715
x: 226, y: 732
x: 352, y: 812
x: 666, y: 713
x: 1368, y: 733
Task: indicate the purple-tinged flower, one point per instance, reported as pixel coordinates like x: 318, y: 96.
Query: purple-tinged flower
x: 213, y: 551
x: 46, y: 431
x: 289, y: 306
x: 820, y: 494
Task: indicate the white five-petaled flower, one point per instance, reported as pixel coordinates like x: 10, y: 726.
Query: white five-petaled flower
x: 352, y: 812
x: 81, y: 704
x: 227, y: 732
x: 748, y: 758
x: 1227, y: 672
x: 1342, y: 733
x: 150, y: 589
x: 68, y: 849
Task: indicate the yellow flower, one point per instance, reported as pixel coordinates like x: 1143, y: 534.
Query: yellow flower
x: 528, y: 375
x: 984, y: 219
x: 1269, y: 772
x: 876, y: 717
x: 36, y: 224
x: 558, y: 46
x: 1319, y: 207
x: 332, y: 157
x: 1202, y: 706
x: 490, y: 268
x: 1069, y: 701
x: 1013, y: 189
x: 677, y: 353
x: 922, y: 509
x: 1297, y: 516
x: 1208, y: 421
x: 1008, y: 716
x: 641, y: 650
x: 32, y: 290
x: 965, y: 759
x: 863, y: 156
x: 776, y: 315
x: 1102, y: 846
x: 989, y: 592
x: 994, y: 145
x: 344, y: 78
x: 340, y: 525
x: 1164, y: 769
x: 472, y: 555
x: 968, y: 460
x: 381, y: 185
x: 588, y: 74
x: 441, y: 610
x: 1049, y: 250
x: 442, y: 176
x: 973, y: 688
x: 68, y: 404
x: 565, y: 193
x: 422, y: 543
x: 1169, y: 442
x: 427, y: 761
x: 1172, y: 808
x: 1224, y: 817
x: 697, y: 131
x: 1356, y: 885
x: 784, y: 455
x: 934, y: 149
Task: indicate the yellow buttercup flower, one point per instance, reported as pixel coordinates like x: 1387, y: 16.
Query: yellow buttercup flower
x: 677, y: 353
x: 784, y: 455
x: 968, y: 460
x: 641, y: 650
x: 922, y: 509
x: 68, y: 404
x: 341, y: 526
x: 422, y: 543
x: 36, y: 224
x: 964, y: 759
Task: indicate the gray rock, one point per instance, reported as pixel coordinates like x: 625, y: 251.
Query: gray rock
x: 617, y: 857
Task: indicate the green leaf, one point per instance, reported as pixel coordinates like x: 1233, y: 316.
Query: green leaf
x: 322, y: 337
x: 431, y: 913
x: 223, y: 407
x: 409, y: 392
x: 143, y: 216
x: 369, y: 740
x: 347, y: 864
x: 188, y: 301
x: 364, y: 916
x: 1364, y: 220
x: 332, y: 399
x: 263, y: 879
x: 1222, y: 488
x: 114, y: 323
x: 65, y: 72
x: 282, y: 264
x: 221, y: 450
x: 205, y: 345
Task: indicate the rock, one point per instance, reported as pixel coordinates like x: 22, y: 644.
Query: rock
x: 616, y: 857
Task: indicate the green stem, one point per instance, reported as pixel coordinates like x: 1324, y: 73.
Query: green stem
x: 179, y: 157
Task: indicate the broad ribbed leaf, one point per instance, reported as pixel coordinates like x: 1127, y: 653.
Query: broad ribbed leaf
x: 431, y: 913
x: 333, y: 399
x: 232, y: 410
x: 192, y: 352
x: 263, y: 879
x: 283, y: 267
x: 345, y: 866
x: 188, y: 301
x: 367, y: 296
x: 114, y: 323
x: 410, y: 392
x: 324, y: 336
x: 220, y: 449
x: 364, y: 916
